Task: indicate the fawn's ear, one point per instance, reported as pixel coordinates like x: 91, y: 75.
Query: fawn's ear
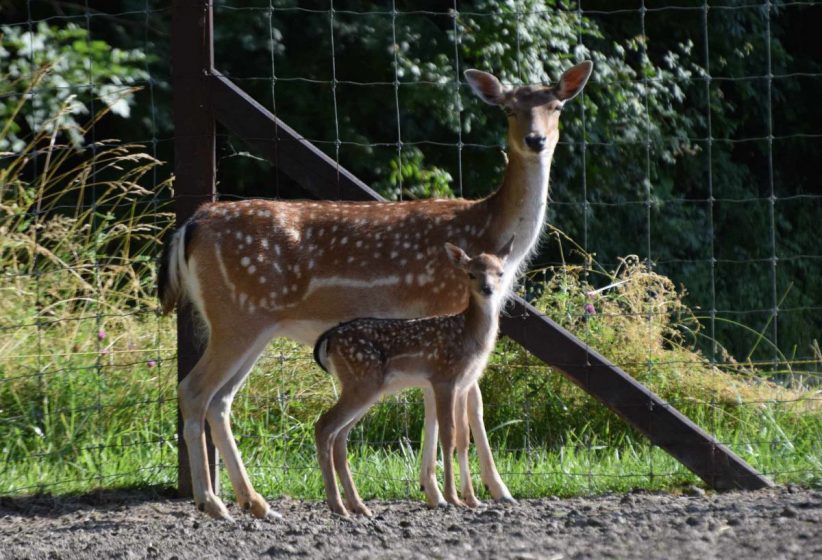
x: 505, y: 250
x: 486, y: 86
x: 573, y: 80
x: 457, y: 256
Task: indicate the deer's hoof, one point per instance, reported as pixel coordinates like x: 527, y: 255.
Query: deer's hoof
x: 215, y: 508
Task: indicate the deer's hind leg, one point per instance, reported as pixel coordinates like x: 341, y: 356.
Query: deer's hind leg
x: 219, y: 363
x: 219, y: 419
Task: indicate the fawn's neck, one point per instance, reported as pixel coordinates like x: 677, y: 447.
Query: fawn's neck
x: 482, y: 321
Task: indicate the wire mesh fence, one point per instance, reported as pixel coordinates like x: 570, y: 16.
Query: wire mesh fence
x: 688, y: 150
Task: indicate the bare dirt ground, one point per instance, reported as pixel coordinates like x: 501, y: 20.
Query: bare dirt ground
x: 778, y: 523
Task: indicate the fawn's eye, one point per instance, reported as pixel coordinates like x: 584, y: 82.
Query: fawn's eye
x: 500, y: 274
x: 472, y: 276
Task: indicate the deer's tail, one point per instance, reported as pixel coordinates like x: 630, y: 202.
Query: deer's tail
x: 174, y: 267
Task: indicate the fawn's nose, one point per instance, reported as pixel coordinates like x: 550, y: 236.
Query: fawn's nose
x: 486, y: 290
x: 535, y: 142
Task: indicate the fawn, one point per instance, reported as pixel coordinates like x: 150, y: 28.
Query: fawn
x: 444, y: 355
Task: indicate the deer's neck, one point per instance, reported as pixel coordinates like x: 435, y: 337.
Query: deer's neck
x: 519, y: 204
x: 482, y: 322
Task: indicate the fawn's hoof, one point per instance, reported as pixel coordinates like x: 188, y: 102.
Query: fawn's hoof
x: 360, y: 509
x: 472, y: 502
x: 339, y: 509
x: 454, y: 501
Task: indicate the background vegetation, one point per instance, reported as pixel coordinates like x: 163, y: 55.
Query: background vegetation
x: 681, y: 167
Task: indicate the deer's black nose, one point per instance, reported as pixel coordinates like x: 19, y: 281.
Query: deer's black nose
x: 487, y: 290
x: 535, y: 142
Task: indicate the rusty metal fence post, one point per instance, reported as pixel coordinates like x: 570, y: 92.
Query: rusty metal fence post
x: 194, y: 171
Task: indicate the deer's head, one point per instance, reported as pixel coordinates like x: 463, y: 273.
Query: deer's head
x: 532, y: 111
x: 485, y: 271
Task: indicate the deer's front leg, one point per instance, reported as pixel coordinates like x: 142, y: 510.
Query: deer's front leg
x: 428, y: 466
x: 488, y: 470
x: 463, y: 436
x: 444, y: 395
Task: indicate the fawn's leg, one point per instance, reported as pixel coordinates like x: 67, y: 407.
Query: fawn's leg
x: 488, y: 470
x: 345, y: 411
x: 444, y: 396
x: 463, y: 437
x: 428, y: 465
x: 352, y: 498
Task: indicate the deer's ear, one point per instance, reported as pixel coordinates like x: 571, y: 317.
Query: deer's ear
x: 573, y: 80
x: 486, y: 86
x: 457, y: 256
x: 505, y: 250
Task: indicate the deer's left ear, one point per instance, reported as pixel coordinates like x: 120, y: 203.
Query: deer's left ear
x: 573, y: 80
x: 457, y: 256
x: 486, y: 86
x: 505, y: 250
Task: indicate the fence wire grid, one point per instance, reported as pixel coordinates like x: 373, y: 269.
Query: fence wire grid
x: 678, y: 240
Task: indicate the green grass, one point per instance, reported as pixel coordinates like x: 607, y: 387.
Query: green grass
x: 88, y: 376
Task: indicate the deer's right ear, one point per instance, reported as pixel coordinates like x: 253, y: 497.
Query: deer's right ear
x: 457, y: 256
x: 486, y: 86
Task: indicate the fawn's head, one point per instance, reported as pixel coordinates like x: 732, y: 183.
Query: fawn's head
x: 485, y: 271
x: 532, y: 111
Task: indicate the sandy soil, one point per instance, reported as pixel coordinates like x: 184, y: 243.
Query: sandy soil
x: 778, y: 523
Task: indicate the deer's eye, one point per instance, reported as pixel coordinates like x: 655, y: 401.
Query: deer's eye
x: 500, y: 274
x: 508, y: 111
x: 472, y: 276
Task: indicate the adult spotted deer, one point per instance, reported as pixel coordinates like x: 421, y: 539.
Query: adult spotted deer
x: 443, y: 355
x: 257, y: 269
